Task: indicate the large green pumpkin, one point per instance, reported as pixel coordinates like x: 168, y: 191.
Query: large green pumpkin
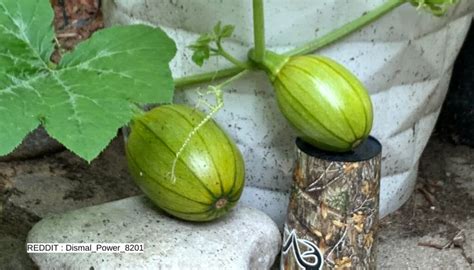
x: 326, y: 104
x: 209, y: 172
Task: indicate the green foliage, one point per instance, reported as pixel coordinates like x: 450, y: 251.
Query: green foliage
x: 91, y: 93
x: 437, y: 7
x: 203, y: 48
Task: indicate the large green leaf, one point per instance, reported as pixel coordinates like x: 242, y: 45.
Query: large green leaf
x: 93, y: 90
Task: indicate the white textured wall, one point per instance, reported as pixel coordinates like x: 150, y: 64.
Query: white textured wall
x: 405, y: 60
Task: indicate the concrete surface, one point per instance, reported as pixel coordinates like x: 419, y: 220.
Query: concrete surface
x: 435, y: 228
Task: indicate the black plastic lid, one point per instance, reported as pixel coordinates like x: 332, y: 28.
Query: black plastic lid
x: 368, y: 149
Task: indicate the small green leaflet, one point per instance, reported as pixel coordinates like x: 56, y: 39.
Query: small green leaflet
x: 436, y: 7
x: 91, y: 93
x: 202, y: 49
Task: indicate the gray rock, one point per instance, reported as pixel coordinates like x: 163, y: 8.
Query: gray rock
x: 244, y: 239
x: 37, y: 143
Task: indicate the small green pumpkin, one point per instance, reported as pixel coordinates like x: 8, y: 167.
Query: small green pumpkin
x: 209, y: 174
x: 326, y: 104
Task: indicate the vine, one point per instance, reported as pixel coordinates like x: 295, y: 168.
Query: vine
x: 210, y: 45
x: 436, y: 7
x: 66, y: 99
x: 346, y: 29
x: 259, y: 30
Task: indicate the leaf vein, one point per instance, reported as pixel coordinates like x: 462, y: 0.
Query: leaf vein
x: 21, y: 35
x: 18, y: 83
x: 72, y: 98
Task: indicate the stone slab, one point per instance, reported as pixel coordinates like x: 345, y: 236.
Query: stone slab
x: 244, y: 239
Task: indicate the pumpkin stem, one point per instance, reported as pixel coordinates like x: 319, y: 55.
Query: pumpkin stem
x: 272, y: 62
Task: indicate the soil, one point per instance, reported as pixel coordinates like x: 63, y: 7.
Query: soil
x: 442, y: 205
x: 438, y: 199
x: 74, y: 22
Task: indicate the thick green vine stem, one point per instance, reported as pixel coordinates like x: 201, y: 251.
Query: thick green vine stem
x: 271, y: 63
x: 259, y: 30
x: 207, y: 77
x: 347, y: 28
x: 306, y: 48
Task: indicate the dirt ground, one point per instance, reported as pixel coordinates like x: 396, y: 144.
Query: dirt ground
x: 74, y: 22
x: 433, y: 230
x: 444, y: 192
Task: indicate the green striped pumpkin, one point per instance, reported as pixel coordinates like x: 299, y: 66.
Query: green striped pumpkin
x: 326, y: 104
x: 209, y: 173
